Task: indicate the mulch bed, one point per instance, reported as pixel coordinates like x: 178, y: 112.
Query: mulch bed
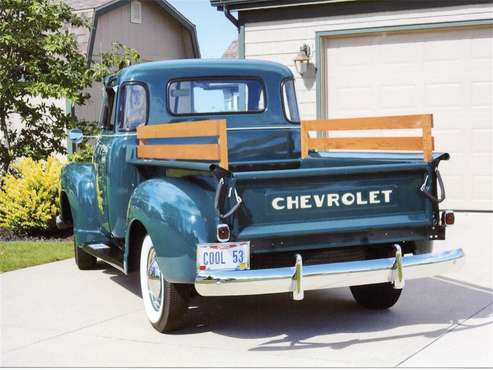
x: 53, y: 235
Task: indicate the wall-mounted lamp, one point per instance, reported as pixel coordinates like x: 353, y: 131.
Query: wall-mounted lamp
x: 302, y: 59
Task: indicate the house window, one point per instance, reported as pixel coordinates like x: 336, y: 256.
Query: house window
x: 135, y: 11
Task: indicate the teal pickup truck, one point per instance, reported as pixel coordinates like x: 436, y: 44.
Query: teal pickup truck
x: 205, y: 181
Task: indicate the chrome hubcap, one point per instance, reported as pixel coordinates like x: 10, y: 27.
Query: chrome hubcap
x: 154, y: 281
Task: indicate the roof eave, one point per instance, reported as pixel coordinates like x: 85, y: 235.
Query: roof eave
x: 242, y: 5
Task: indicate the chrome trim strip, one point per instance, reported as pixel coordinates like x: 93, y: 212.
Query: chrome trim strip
x: 323, y: 276
x: 292, y: 127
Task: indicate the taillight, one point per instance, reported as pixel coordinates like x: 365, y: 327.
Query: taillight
x: 223, y: 233
x: 448, y: 218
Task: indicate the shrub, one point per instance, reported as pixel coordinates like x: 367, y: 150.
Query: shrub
x: 29, y: 196
x: 85, y: 150
x: 83, y: 154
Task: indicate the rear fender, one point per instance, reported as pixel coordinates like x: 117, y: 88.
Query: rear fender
x: 78, y: 185
x: 178, y: 214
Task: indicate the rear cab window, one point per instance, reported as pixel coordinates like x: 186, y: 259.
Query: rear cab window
x: 215, y: 95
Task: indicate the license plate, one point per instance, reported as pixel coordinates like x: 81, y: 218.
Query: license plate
x: 223, y: 256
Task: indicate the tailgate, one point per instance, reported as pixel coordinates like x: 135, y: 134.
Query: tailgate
x: 332, y: 200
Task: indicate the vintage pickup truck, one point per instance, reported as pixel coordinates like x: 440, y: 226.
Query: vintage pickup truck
x: 205, y: 180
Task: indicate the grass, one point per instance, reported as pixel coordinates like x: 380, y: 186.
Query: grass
x: 19, y: 254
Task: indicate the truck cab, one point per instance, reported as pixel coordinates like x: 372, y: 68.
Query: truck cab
x: 204, y: 179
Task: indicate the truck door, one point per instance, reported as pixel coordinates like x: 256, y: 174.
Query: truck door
x: 101, y: 153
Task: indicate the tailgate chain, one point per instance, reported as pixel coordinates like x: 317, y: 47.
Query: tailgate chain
x: 440, y: 183
x: 230, y: 193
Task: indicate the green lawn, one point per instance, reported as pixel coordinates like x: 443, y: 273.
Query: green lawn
x: 19, y: 254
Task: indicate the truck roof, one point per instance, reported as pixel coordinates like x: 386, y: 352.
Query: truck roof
x: 171, y: 69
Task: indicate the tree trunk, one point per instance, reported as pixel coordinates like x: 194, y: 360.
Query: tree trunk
x: 6, y: 155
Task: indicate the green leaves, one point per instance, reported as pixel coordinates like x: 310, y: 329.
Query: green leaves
x: 39, y: 58
x: 119, y: 57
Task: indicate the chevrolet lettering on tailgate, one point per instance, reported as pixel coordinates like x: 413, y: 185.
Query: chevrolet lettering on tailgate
x: 331, y: 200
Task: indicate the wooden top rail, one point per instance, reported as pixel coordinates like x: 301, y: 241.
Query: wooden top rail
x: 423, y: 143
x: 211, y: 152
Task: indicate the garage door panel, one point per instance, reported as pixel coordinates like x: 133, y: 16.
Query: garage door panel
x: 481, y: 94
x: 444, y: 72
x: 480, y: 117
x: 482, y: 165
x: 353, y: 56
x: 397, y: 75
x: 398, y: 96
x: 397, y: 53
x: 482, y: 140
x: 479, y: 70
x: 442, y: 50
x: 482, y: 189
x: 450, y: 118
x: 443, y: 95
x: 361, y: 76
x: 440, y: 72
x: 357, y: 98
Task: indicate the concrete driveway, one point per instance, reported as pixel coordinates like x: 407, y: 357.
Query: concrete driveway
x: 56, y: 315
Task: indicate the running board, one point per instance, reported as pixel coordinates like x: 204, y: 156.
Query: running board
x: 111, y: 255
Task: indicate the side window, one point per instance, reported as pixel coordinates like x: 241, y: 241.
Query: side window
x: 106, y: 118
x: 134, y: 106
x: 290, y: 105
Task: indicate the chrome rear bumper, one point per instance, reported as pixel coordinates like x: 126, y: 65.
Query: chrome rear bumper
x: 298, y: 278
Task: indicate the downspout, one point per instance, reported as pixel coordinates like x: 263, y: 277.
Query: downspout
x: 230, y: 17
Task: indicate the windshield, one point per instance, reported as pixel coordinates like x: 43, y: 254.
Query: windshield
x: 204, y: 96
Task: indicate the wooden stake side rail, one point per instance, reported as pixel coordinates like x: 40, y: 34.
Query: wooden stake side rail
x: 209, y: 152
x: 423, y: 143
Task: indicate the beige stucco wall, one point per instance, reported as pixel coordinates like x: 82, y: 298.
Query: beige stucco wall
x: 158, y: 37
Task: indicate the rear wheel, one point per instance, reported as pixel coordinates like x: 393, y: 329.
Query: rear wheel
x: 165, y: 303
x: 376, y: 296
x: 83, y: 260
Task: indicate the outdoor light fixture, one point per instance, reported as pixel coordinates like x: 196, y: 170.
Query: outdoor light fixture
x: 302, y: 59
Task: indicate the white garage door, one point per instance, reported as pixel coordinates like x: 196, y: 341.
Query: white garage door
x: 448, y: 73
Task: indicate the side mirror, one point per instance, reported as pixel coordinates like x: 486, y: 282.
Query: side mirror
x: 75, y: 135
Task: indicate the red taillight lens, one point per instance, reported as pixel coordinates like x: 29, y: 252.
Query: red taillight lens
x: 223, y: 233
x: 448, y: 218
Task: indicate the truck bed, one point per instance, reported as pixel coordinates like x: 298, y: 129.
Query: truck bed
x: 323, y: 199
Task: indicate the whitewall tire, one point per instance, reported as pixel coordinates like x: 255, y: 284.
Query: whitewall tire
x: 165, y: 303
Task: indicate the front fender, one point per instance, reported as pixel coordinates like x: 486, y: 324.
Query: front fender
x: 177, y: 214
x: 78, y: 182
